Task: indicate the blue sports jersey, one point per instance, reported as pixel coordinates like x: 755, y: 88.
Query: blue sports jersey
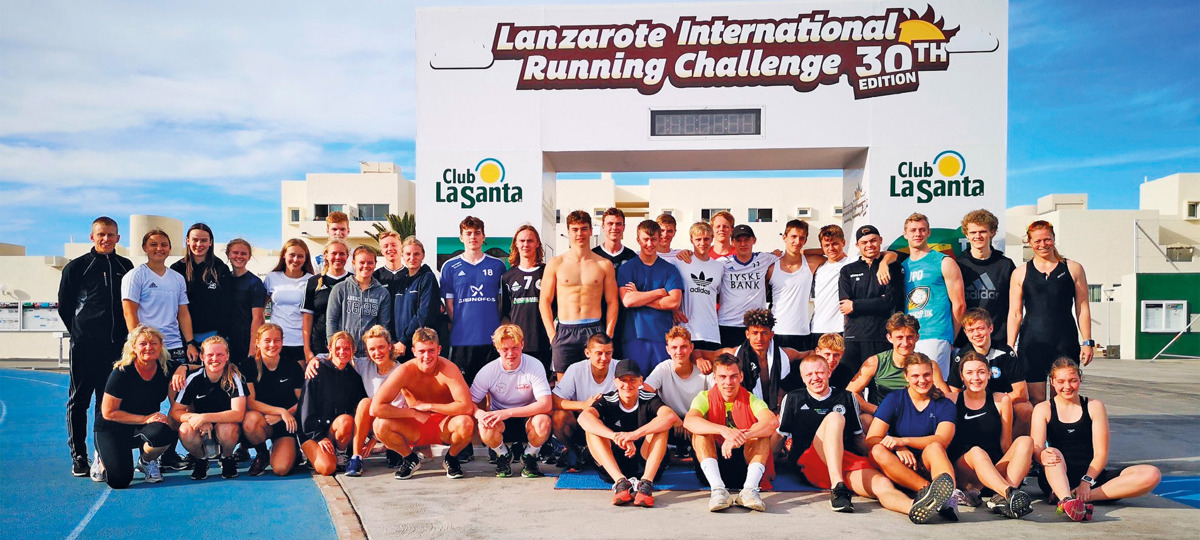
x: 927, y: 299
x: 474, y: 291
x: 904, y: 420
x: 646, y: 322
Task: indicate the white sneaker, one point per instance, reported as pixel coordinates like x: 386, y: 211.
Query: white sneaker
x: 151, y: 470
x: 720, y: 499
x: 749, y: 498
x: 98, y: 473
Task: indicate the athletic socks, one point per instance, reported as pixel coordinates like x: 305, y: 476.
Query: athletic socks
x: 754, y: 474
x: 533, y: 450
x: 500, y: 450
x: 260, y: 449
x: 712, y: 473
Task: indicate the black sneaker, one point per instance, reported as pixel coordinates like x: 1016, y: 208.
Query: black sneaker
x: 452, y: 466
x: 393, y: 459
x: 491, y: 457
x: 840, y: 498
x: 242, y: 454
x: 1019, y: 503
x: 531, y: 467
x: 200, y: 469
x: 171, y: 461
x: 999, y: 504
x: 931, y: 498
x: 229, y: 467
x: 258, y: 466
x: 80, y: 466
x: 408, y: 465
x: 547, y: 454
x: 467, y: 454
x: 504, y: 465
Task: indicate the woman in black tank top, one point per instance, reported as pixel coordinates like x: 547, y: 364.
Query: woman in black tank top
x: 983, y: 451
x: 1048, y: 310
x: 1070, y: 435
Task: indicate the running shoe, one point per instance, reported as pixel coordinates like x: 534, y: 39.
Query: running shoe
x: 1019, y: 503
x: 229, y: 467
x: 840, y: 498
x: 930, y: 498
x: 504, y: 465
x: 452, y: 466
x: 342, y: 461
x: 467, y: 455
x: 80, y: 466
x: 645, y: 494
x: 719, y: 499
x: 200, y: 469
x: 171, y: 461
x: 354, y: 466
x: 393, y: 458
x: 569, y: 461
x: 622, y: 492
x: 998, y: 504
x: 491, y: 456
x: 151, y: 470
x: 546, y: 454
x: 408, y: 465
x: 973, y: 498
x: 242, y: 454
x: 98, y: 473
x: 531, y: 467
x: 1073, y: 508
x: 749, y: 498
x: 259, y: 464
x: 949, y: 510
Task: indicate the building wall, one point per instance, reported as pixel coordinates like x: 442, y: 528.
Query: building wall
x: 377, y: 183
x: 1168, y: 287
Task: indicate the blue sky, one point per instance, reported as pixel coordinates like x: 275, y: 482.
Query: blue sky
x: 198, y: 110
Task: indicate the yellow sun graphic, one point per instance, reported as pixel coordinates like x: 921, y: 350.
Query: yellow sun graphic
x: 490, y: 171
x: 918, y: 30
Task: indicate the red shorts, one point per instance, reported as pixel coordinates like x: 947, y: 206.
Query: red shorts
x: 817, y: 473
x: 431, y: 430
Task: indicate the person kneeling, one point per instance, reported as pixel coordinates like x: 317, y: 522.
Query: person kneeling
x: 517, y: 405
x: 327, y: 408
x: 627, y: 432
x: 210, y: 410
x: 723, y: 420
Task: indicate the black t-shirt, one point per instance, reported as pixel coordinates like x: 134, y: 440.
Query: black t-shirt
x: 395, y: 282
x: 205, y: 396
x: 248, y: 294
x: 137, y: 395
x: 519, y: 302
x: 801, y: 414
x: 618, y: 337
x: 1007, y: 368
x: 276, y: 388
x: 208, y: 296
x: 616, y: 418
x: 315, y: 302
x: 985, y: 283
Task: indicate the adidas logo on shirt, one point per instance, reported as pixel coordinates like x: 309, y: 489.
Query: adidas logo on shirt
x: 982, y: 289
x: 701, y: 280
x: 461, y: 273
x: 153, y: 286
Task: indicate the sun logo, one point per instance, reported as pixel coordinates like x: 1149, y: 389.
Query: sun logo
x: 490, y: 171
x: 927, y: 27
x: 950, y: 163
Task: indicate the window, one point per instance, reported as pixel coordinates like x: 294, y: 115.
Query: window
x: 557, y: 215
x: 1094, y: 293
x: 1180, y: 253
x: 322, y: 211
x: 294, y: 214
x: 802, y: 212
x: 706, y: 214
x: 1166, y: 316
x: 759, y: 215
x: 372, y: 212
x: 1193, y: 210
x: 837, y: 211
x: 669, y: 211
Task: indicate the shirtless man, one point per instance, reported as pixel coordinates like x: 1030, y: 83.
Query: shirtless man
x: 438, y: 410
x: 580, y: 280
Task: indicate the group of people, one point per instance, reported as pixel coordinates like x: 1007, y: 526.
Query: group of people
x: 748, y: 364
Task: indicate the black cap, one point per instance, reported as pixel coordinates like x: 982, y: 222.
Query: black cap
x: 626, y: 368
x: 742, y: 230
x: 865, y: 230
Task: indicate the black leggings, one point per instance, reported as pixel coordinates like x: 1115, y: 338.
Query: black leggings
x: 116, y: 448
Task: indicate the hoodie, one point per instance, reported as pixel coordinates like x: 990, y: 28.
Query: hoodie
x: 417, y: 305
x: 355, y: 310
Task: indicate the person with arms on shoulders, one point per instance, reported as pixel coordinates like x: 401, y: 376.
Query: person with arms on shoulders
x: 827, y: 318
x: 986, y: 274
x: 374, y: 370
x: 1071, y: 441
x: 650, y: 289
x: 129, y: 415
x: 357, y: 304
x: 627, y: 430
x: 210, y: 410
x: 248, y: 299
x: 471, y: 286
x: 316, y: 297
x: 89, y: 306
x: 274, y: 389
x: 677, y: 383
x: 702, y: 277
x: 766, y: 367
x: 791, y: 284
x: 521, y: 290
x: 743, y: 285
x: 580, y: 386
x: 285, y: 286
x: 884, y: 373
x: 1007, y: 372
x: 419, y: 304
x: 933, y: 286
x: 327, y: 406
x: 209, y: 287
x: 866, y: 301
x: 513, y: 403
x: 581, y: 287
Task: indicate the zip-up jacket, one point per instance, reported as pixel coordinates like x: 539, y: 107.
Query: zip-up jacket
x: 331, y: 393
x: 873, y: 303
x: 89, y: 298
x: 419, y: 304
x: 355, y: 310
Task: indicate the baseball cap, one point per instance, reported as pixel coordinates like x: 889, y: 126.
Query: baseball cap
x: 742, y: 230
x: 627, y: 368
x: 864, y: 231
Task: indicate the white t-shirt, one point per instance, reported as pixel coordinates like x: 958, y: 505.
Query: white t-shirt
x: 743, y: 287
x: 784, y: 369
x: 677, y: 392
x: 372, y: 379
x: 790, y: 294
x: 287, y: 299
x: 158, y: 299
x: 826, y: 317
x: 702, y: 283
x: 511, y: 389
x: 577, y: 383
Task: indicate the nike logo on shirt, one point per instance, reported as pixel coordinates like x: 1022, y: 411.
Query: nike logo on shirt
x: 970, y: 417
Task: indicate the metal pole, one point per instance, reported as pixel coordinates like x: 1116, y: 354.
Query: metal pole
x: 1135, y: 247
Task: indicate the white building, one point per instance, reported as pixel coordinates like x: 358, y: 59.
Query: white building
x: 367, y: 197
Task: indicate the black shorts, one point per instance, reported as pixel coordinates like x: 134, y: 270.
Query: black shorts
x: 1038, y: 355
x: 733, y: 470
x: 1074, y: 476
x: 471, y: 358
x: 279, y: 430
x: 295, y: 353
x: 632, y: 467
x: 732, y: 336
x: 806, y: 342
x: 514, y: 430
x: 569, y: 342
x: 702, y: 345
x: 157, y: 434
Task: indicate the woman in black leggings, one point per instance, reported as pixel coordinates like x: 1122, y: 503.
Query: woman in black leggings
x: 130, y: 414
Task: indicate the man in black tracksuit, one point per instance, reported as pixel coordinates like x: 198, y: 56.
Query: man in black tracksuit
x: 89, y: 304
x: 867, y: 305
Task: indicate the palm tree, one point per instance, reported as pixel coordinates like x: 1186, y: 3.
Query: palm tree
x: 405, y: 226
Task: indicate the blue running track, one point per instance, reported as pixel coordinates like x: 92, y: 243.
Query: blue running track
x: 41, y: 499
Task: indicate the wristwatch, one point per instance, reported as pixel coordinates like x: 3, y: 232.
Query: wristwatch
x: 1091, y: 481
x: 1088, y: 343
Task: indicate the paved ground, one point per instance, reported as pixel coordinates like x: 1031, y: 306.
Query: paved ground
x: 1155, y: 419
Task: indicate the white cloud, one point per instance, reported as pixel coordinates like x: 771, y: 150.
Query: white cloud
x: 1128, y: 158
x: 969, y: 40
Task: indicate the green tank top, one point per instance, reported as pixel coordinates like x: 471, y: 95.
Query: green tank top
x: 888, y: 377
